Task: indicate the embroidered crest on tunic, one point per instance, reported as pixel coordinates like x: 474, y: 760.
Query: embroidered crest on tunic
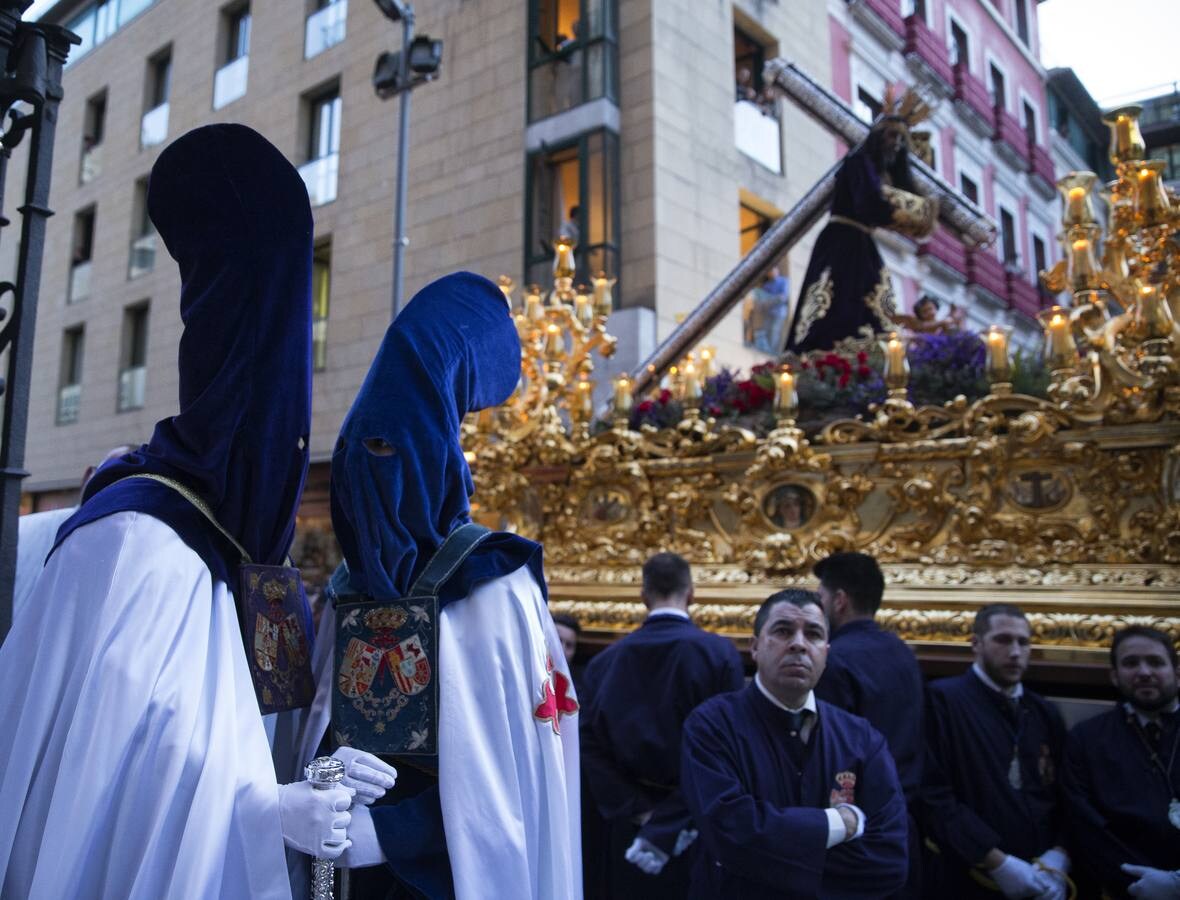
x: 845, y: 790
x: 815, y: 305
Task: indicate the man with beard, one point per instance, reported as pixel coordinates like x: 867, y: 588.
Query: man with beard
x: 990, y: 792
x: 486, y: 802
x: 1122, y: 775
x: 793, y: 797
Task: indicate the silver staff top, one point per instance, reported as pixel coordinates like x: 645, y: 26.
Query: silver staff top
x: 324, y: 771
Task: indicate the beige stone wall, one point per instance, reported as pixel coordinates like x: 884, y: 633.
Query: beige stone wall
x: 680, y: 180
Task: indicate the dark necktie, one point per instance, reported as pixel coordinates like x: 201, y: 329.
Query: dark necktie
x: 796, y: 746
x: 1155, y: 734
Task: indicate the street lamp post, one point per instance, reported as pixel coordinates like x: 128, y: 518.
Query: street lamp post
x: 398, y: 74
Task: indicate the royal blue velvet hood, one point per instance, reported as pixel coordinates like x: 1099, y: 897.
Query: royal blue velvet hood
x: 400, y: 482
x: 234, y: 214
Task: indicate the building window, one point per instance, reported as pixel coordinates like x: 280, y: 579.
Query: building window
x: 996, y: 86
x: 753, y: 225
x: 69, y: 392
x: 321, y: 293
x: 1040, y: 263
x: 81, y: 255
x: 143, y: 234
x: 229, y: 83
x: 969, y: 188
x: 325, y: 26
x: 573, y: 54
x: 756, y: 128
x: 1022, y: 21
x: 573, y: 190
x: 322, y: 145
x: 914, y: 8
x: 1170, y: 154
x: 867, y: 107
x: 153, y: 128
x: 764, y: 309
x: 93, y: 129
x: 98, y: 21
x: 1008, y: 238
x: 1030, y: 121
x: 133, y: 358
x: 960, y: 48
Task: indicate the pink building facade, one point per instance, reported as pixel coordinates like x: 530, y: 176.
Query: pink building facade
x: 980, y: 59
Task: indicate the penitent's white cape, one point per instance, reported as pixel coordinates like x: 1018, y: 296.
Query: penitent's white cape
x: 508, y: 780
x: 133, y: 761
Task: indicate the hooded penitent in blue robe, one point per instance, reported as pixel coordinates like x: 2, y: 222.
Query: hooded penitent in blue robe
x: 636, y: 695
x: 133, y: 761
x: 763, y: 829
x: 504, y: 810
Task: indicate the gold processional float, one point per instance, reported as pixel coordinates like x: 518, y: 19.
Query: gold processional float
x: 1068, y: 505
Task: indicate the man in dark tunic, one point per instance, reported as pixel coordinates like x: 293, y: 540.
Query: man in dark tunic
x: 793, y: 797
x: 636, y: 695
x: 872, y: 673
x: 990, y: 794
x: 847, y: 291
x: 1122, y: 775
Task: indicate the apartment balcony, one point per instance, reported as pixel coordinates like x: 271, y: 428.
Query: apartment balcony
x: 69, y: 403
x: 927, y: 54
x: 91, y: 164
x: 946, y: 252
x: 1011, y: 140
x: 132, y: 387
x: 79, y: 282
x: 882, y: 18
x: 1023, y: 295
x: 143, y: 255
x: 1041, y: 168
x: 320, y: 177
x: 758, y: 136
x: 973, y: 101
x: 153, y: 129
x: 987, y: 273
x: 229, y: 84
x: 325, y: 29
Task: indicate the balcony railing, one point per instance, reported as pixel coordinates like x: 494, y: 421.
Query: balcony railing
x: 887, y: 13
x: 924, y: 44
x: 758, y: 135
x: 325, y: 29
x: 1041, y: 167
x: 230, y: 82
x: 947, y: 249
x: 972, y: 95
x: 69, y: 402
x: 1023, y: 295
x: 984, y: 270
x: 320, y: 177
x: 153, y: 129
x: 91, y: 164
x: 1012, y: 136
x: 132, y: 386
x: 79, y: 281
x: 143, y: 255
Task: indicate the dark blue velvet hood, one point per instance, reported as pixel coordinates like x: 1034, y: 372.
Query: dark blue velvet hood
x: 400, y: 483
x: 234, y: 215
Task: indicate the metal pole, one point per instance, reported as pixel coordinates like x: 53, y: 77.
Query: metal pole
x: 33, y: 60
x: 400, y: 241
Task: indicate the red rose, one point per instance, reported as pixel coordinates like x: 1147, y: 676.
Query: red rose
x: 864, y: 372
x: 644, y: 408
x: 665, y: 396
x: 862, y: 357
x: 844, y: 379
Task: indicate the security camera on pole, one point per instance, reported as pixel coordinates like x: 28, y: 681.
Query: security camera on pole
x: 398, y: 73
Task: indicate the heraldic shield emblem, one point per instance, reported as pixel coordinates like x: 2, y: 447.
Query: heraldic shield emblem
x: 385, y: 699
x: 276, y: 622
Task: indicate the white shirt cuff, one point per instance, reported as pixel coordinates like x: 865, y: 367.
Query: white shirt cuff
x: 837, y: 833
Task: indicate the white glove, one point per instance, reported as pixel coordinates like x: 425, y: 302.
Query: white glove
x: 365, y: 774
x: 1015, y: 878
x: 314, y: 820
x: 684, y: 840
x: 646, y: 855
x: 1051, y: 863
x: 366, y: 849
x: 1153, y: 884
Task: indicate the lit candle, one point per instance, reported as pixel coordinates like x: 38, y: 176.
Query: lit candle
x: 1122, y: 133
x: 583, y: 407
x: 533, y: 309
x: 563, y: 258
x: 708, y: 362
x: 690, y: 385
x: 583, y: 310
x: 1076, y: 210
x: 786, y: 401
x: 1151, y: 201
x: 998, y: 368
x: 1060, y: 350
x: 897, y: 367
x: 554, y: 343
x: 622, y: 395
x: 604, y: 303
x: 506, y: 285
x: 1084, y: 264
x: 1154, y: 313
